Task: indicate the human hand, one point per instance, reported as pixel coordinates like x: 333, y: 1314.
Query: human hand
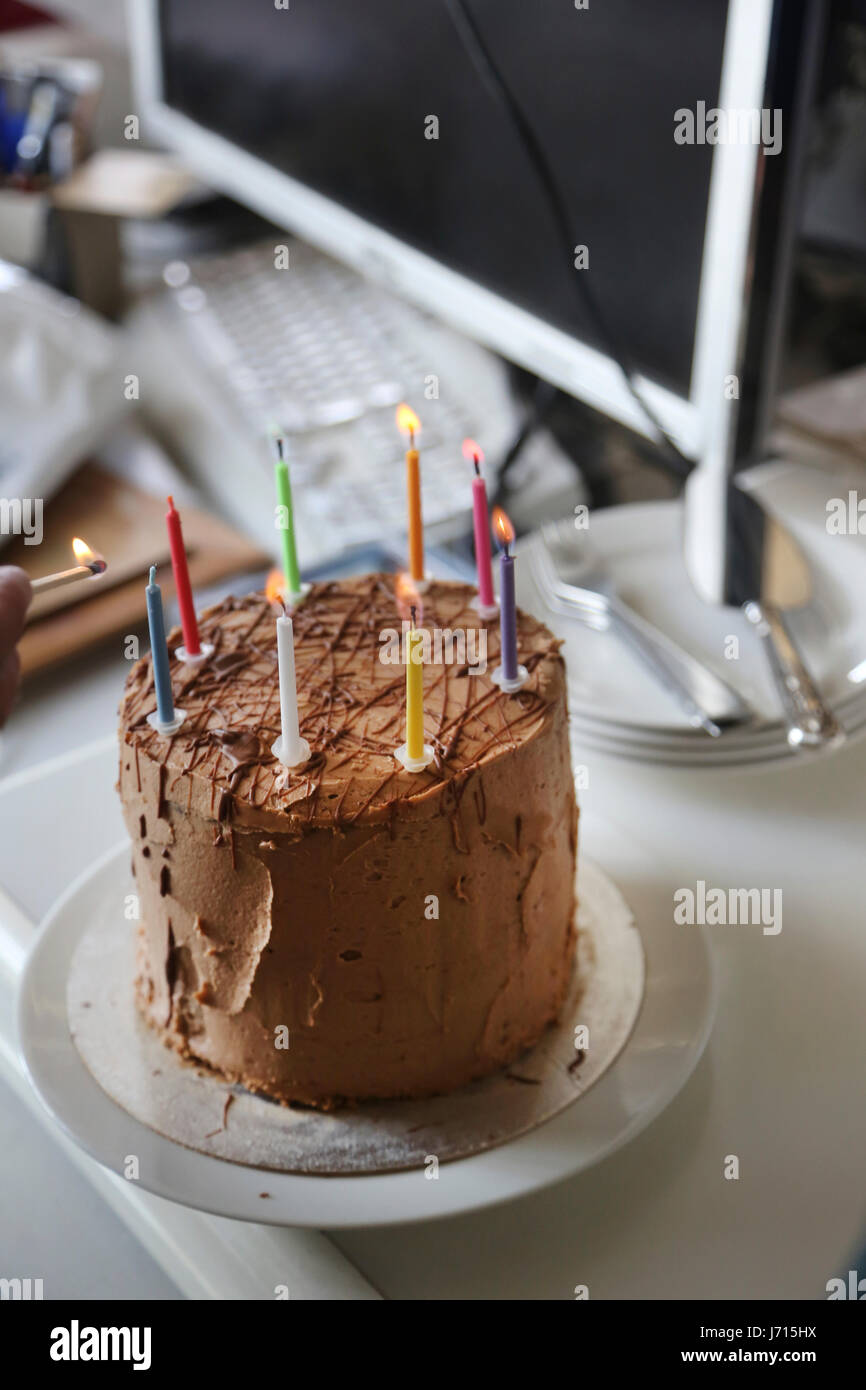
x: 15, y: 596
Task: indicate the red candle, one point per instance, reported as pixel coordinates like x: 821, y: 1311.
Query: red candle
x: 181, y: 581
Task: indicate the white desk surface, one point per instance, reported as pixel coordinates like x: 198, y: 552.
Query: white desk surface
x: 781, y: 1085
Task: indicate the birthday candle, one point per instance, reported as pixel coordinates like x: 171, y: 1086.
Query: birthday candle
x: 414, y: 754
x: 507, y: 606
x: 287, y: 524
x: 159, y: 650
x: 292, y: 749
x: 415, y: 694
x: 408, y: 423
x: 481, y: 527
x: 182, y: 585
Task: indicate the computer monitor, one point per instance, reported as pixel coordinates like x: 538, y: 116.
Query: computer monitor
x: 368, y: 130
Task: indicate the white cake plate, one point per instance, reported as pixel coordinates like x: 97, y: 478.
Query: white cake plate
x: 666, y: 1043
x: 200, y: 1110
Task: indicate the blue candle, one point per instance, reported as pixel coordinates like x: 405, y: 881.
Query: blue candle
x: 507, y: 609
x: 159, y: 651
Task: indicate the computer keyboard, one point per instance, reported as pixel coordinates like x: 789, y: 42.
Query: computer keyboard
x: 234, y: 349
x: 309, y: 347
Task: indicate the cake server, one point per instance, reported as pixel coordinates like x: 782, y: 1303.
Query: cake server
x: 707, y: 701
x: 766, y: 574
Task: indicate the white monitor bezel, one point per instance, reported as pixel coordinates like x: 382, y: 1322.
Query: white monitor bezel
x: 701, y: 424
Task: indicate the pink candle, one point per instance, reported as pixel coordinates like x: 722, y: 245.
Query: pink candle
x: 481, y: 525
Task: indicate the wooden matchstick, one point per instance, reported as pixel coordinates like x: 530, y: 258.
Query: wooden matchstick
x: 56, y: 581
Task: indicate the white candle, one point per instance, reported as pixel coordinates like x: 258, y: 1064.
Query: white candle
x: 289, y: 748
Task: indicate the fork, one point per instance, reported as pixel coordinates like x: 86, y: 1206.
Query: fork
x: 707, y: 701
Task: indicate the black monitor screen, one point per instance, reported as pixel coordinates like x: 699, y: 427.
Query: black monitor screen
x: 338, y: 94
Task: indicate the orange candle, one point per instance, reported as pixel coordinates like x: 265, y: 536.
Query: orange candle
x: 409, y: 424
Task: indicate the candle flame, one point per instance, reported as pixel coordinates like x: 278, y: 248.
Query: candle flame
x: 407, y: 421
x: 472, y: 452
x: 408, y: 599
x: 275, y: 587
x: 502, y: 527
x: 85, y: 556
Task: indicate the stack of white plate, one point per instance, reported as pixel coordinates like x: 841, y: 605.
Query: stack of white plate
x: 618, y: 707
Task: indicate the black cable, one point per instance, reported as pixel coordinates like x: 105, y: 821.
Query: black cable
x: 543, y: 398
x: 473, y: 42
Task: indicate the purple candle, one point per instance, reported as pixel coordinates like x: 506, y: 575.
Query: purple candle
x: 507, y: 609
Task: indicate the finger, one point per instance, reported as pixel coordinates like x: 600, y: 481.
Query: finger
x: 10, y: 672
x: 15, y: 595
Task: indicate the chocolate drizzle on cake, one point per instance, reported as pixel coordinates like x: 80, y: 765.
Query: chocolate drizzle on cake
x: 170, y: 969
x: 160, y: 800
x: 350, y: 703
x: 241, y: 746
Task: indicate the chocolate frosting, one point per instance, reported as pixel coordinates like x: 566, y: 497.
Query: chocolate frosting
x: 351, y: 710
x: 409, y: 931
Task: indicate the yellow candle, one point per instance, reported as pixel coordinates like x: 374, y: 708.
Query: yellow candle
x: 408, y: 423
x: 415, y: 694
x: 414, y: 754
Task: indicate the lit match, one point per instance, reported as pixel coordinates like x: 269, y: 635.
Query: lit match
x: 89, y: 565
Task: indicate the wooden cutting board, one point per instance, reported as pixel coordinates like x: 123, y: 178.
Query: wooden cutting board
x: 127, y: 527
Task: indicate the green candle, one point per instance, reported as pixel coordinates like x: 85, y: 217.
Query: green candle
x: 286, y: 522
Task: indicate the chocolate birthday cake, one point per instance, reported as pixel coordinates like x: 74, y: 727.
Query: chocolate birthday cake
x: 349, y: 929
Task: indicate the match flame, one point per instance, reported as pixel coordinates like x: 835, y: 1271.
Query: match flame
x: 472, y: 452
x: 275, y: 586
x: 502, y: 527
x: 407, y: 421
x: 85, y: 556
x: 408, y: 598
